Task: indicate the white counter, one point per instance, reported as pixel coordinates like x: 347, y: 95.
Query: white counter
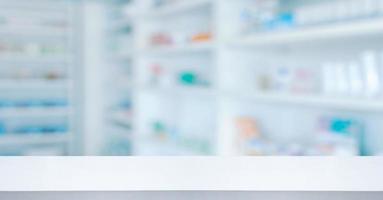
x: 190, y: 173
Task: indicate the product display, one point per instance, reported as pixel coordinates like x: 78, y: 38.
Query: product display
x: 362, y: 78
x: 192, y: 77
x: 161, y: 3
x: 168, y: 78
x: 7, y: 128
x: 171, y: 136
x: 339, y: 137
x: 32, y: 103
x: 119, y: 109
x: 31, y: 49
x: 359, y: 78
x: 41, y: 129
x: 179, y: 39
x: 250, y: 139
x: 33, y: 74
x: 3, y: 129
x: 8, y: 21
x: 333, y: 137
x: 267, y: 15
x: 117, y: 147
x: 38, y: 51
x: 289, y: 80
x: 122, y: 115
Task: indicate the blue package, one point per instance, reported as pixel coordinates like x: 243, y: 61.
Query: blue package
x: 30, y: 103
x: 125, y: 104
x: 5, y: 104
x: 3, y: 129
x: 55, y: 129
x: 28, y: 129
x: 345, y: 127
x: 55, y: 103
x: 282, y: 21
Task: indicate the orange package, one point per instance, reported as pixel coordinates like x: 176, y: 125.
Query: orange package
x: 202, y: 37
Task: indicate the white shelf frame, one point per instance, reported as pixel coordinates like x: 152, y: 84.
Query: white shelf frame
x: 179, y: 7
x: 202, y: 47
x: 312, y: 100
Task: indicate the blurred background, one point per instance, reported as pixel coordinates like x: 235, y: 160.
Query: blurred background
x: 191, y: 77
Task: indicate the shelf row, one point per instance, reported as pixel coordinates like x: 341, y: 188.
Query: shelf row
x: 33, y: 139
x: 34, y: 112
x: 317, y: 35
x: 178, y: 7
x: 35, y: 84
x: 326, y: 101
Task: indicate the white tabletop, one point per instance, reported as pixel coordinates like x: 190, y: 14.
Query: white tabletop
x: 191, y: 173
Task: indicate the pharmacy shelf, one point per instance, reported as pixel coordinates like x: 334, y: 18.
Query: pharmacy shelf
x: 151, y: 146
x: 31, y: 33
x: 34, y: 112
x: 181, y: 49
x: 33, y: 139
x: 41, y: 13
x: 121, y: 84
x: 124, y: 83
x: 42, y: 6
x: 318, y: 33
x: 121, y: 23
x: 124, y: 127
x: 34, y: 59
x: 121, y: 56
x: 121, y: 133
x: 13, y: 11
x: 341, y: 103
x: 177, y: 8
x: 34, y: 84
x: 180, y: 90
x: 121, y: 119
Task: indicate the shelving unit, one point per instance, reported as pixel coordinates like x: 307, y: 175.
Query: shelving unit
x: 286, y: 116
x: 166, y: 108
x: 38, y: 95
x: 231, y: 61
x: 119, y: 113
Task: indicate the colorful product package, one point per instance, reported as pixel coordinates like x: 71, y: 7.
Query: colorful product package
x: 250, y: 140
x: 339, y: 136
x: 2, y: 129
